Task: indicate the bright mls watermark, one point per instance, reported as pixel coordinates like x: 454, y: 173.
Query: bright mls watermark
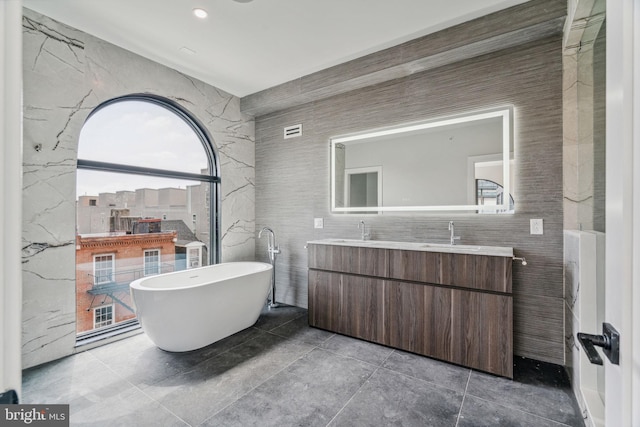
x: 34, y: 415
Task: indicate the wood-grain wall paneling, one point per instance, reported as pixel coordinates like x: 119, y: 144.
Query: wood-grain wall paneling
x: 414, y: 265
x: 481, y: 326
x: 284, y: 186
x: 535, y: 325
x: 419, y: 318
x: 362, y: 313
x: 325, y: 300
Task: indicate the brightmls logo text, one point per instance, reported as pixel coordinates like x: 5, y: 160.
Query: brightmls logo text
x: 34, y: 415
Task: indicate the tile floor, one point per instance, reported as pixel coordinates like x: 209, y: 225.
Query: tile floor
x: 281, y: 372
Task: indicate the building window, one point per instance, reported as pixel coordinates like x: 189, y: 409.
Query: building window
x: 102, y: 316
x: 93, y: 202
x: 194, y: 257
x: 103, y: 267
x: 151, y: 262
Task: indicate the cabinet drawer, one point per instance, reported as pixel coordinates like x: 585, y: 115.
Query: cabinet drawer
x: 482, y: 272
x: 349, y: 259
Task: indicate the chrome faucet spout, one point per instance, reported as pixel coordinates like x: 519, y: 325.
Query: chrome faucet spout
x: 364, y: 234
x: 453, y: 237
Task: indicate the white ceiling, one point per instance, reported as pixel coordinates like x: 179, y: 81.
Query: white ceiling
x: 244, y: 48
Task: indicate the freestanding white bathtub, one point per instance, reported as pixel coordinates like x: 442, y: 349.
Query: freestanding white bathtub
x: 189, y: 309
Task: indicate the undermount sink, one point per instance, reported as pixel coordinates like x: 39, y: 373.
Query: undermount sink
x: 445, y: 246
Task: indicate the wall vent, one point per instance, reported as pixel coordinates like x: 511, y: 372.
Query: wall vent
x: 293, y: 131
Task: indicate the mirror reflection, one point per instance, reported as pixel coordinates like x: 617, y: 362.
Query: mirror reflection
x: 461, y: 163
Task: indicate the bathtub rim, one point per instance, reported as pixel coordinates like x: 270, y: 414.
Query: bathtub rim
x: 138, y: 284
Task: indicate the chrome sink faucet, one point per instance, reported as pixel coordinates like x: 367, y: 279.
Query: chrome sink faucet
x: 364, y: 234
x: 453, y: 238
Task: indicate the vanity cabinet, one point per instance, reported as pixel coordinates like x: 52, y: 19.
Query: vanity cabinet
x: 450, y: 306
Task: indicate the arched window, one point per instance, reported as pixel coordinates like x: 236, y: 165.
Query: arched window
x: 147, y: 195
x: 490, y: 193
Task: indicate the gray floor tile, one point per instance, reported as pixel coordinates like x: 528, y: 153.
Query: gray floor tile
x: 427, y: 369
x: 308, y: 393
x: 131, y: 408
x: 300, y: 330
x: 272, y: 318
x: 142, y: 363
x: 389, y: 398
x: 480, y: 413
x: 79, y: 380
x: 358, y: 349
x: 197, y: 394
x: 543, y: 400
x: 282, y: 372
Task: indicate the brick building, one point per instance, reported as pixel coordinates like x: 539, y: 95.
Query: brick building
x: 107, y: 262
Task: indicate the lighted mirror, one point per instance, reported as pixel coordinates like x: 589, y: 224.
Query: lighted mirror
x: 456, y: 163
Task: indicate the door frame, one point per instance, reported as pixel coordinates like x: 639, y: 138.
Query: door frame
x: 622, y: 382
x: 11, y: 196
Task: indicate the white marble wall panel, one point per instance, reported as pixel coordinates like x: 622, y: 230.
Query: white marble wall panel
x: 67, y: 73
x: 572, y: 270
x: 584, y: 308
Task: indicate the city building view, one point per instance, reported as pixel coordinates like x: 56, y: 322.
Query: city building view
x: 126, y: 235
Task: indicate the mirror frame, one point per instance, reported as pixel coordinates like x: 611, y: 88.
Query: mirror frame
x: 505, y: 113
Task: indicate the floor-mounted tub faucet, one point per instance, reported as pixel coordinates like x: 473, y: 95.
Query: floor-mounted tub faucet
x: 453, y: 237
x: 272, y: 250
x: 364, y: 234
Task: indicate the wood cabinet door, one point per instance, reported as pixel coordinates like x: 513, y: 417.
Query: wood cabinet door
x: 419, y: 318
x: 324, y: 300
x: 350, y: 305
x: 482, y: 331
x: 362, y: 308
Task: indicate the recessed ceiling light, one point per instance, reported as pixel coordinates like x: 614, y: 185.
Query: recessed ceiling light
x: 200, y: 13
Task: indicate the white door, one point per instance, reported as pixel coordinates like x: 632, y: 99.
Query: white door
x: 622, y: 382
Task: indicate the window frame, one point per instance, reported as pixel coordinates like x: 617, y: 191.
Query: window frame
x: 213, y: 178
x: 111, y: 320
x: 158, y: 263
x: 113, y: 269
x: 198, y: 257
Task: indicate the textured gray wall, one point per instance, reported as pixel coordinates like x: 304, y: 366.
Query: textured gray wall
x: 292, y: 177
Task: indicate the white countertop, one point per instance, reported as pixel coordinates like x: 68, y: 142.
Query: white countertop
x: 503, y: 251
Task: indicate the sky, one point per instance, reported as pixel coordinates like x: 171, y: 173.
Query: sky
x: 142, y: 134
